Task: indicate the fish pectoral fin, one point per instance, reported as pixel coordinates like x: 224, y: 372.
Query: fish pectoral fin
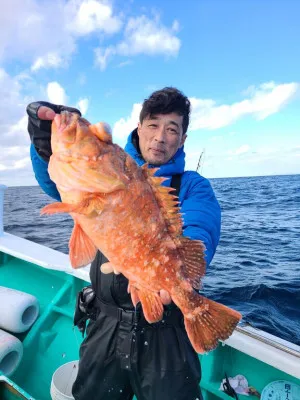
x: 90, y: 204
x: 152, y: 306
x: 82, y: 249
x: 193, y: 253
x: 58, y: 207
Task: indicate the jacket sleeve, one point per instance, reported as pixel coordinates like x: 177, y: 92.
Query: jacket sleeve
x: 201, y: 213
x: 40, y: 169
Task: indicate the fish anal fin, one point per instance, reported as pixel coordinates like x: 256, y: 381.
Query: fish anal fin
x: 193, y: 256
x: 134, y: 292
x: 152, y: 306
x: 82, y: 249
x: 56, y: 208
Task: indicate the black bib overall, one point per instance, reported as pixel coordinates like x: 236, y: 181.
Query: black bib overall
x: 122, y: 355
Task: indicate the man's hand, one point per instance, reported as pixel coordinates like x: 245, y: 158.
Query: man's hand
x: 108, y: 268
x: 40, y: 116
x: 45, y: 113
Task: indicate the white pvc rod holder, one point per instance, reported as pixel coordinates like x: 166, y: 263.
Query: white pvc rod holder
x: 2, y: 189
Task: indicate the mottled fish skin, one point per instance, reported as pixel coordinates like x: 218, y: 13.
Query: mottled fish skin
x: 122, y: 210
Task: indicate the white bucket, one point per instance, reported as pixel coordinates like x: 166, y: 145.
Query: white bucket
x: 18, y: 310
x: 62, y: 381
x: 11, y: 352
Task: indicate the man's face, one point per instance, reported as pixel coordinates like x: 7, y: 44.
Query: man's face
x: 160, y: 136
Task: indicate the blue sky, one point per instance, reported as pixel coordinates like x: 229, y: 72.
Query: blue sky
x: 238, y: 62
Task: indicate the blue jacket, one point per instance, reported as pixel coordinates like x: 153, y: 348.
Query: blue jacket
x: 199, y: 206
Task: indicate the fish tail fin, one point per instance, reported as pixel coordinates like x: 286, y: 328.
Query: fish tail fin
x: 209, y: 323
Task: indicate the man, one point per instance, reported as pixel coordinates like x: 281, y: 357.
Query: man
x: 122, y: 354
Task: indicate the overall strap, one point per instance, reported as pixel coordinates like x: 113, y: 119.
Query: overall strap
x: 176, y: 182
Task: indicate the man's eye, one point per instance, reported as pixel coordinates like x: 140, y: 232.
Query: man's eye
x: 153, y: 125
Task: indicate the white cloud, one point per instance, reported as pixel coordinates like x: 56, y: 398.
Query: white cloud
x: 216, y: 138
x: 14, y: 138
x: 245, y: 148
x: 83, y: 105
x: 124, y: 126
x: 12, y: 110
x: 151, y: 37
x: 263, y: 101
x: 49, y: 60
x: 81, y: 79
x: 124, y: 63
x: 56, y: 93
x: 102, y: 56
x: 267, y: 99
x: 142, y: 36
x: 45, y: 34
x: 89, y: 16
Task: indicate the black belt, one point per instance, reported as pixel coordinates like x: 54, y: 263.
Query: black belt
x: 171, y: 316
x: 127, y: 316
x: 89, y: 306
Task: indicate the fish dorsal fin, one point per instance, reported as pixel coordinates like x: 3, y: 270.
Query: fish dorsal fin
x: 82, y: 249
x: 193, y: 253
x: 167, y: 201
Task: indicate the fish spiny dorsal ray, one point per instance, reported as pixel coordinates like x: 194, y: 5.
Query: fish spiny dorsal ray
x: 167, y: 202
x: 191, y: 251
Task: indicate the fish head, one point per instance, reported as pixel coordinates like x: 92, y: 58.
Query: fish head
x: 74, y: 136
x: 83, y: 156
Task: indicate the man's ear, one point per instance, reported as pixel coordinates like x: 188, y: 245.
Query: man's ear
x: 183, y: 139
x: 139, y: 128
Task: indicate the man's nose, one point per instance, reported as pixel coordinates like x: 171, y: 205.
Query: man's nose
x: 160, y: 134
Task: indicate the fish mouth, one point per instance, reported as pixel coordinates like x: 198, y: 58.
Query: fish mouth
x: 65, y: 126
x: 66, y: 119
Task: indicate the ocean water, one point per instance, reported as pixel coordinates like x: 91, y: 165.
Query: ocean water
x: 256, y: 268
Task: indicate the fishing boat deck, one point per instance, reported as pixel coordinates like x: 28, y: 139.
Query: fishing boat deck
x: 52, y: 341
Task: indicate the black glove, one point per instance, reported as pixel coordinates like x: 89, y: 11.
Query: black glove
x: 40, y: 130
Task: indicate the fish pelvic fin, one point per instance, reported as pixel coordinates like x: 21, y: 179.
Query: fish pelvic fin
x: 193, y: 255
x: 209, y: 323
x: 151, y: 303
x: 82, y: 249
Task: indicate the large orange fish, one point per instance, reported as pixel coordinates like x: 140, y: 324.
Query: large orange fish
x: 124, y: 211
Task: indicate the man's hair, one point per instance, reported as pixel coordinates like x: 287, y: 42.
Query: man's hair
x: 166, y: 101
